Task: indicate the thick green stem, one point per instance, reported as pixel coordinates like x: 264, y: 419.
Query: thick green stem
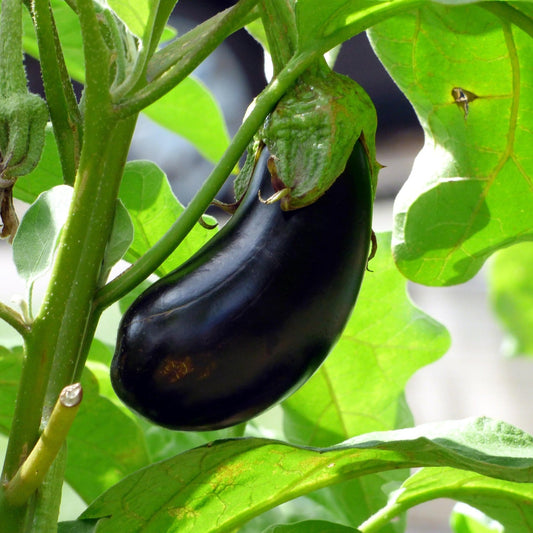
x: 176, y: 61
x: 32, y: 472
x: 64, y: 112
x: 12, y: 74
x: 280, y: 27
x: 147, y: 264
x: 58, y: 330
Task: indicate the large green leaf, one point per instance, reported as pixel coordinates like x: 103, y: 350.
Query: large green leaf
x: 360, y: 386
x: 220, y: 486
x: 508, y: 502
x: 511, y: 295
x: 470, y: 190
x: 153, y: 208
x: 323, y: 25
x: 191, y: 111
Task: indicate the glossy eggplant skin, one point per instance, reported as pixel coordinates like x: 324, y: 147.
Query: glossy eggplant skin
x: 252, y: 315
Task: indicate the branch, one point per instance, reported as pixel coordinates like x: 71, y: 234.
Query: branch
x: 15, y: 320
x: 34, y: 469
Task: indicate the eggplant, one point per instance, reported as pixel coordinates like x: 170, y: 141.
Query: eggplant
x: 252, y: 315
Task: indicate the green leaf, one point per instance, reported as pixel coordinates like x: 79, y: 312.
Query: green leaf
x: 191, y: 111
x: 324, y: 25
x: 510, y: 503
x: 10, y: 366
x: 359, y: 388
x: 38, y: 233
x: 45, y: 175
x: 77, y: 526
x: 511, y: 295
x: 469, y: 192
x: 134, y: 14
x: 120, y: 239
x: 104, y: 444
x: 310, y: 526
x: 153, y: 208
x: 225, y: 484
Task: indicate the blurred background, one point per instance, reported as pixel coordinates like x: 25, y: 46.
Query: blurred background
x: 473, y: 378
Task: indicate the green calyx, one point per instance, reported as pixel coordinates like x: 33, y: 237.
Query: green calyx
x: 312, y: 131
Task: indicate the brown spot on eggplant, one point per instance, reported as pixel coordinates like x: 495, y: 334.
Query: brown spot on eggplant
x: 250, y: 317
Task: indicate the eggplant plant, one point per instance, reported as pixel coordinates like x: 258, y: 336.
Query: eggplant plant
x: 199, y: 331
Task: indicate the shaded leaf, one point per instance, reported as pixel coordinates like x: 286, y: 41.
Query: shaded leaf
x: 310, y: 526
x: 191, y: 111
x: 223, y: 485
x: 77, y: 526
x: 359, y: 388
x: 120, y: 239
x: 38, y: 233
x: 454, y: 211
x: 44, y: 176
x: 153, y: 208
x: 104, y: 444
x: 511, y: 293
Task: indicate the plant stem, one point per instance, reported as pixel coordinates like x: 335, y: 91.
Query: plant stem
x: 64, y: 111
x: 177, y: 60
x: 148, y: 263
x: 34, y: 469
x: 280, y: 27
x: 58, y: 330
x: 15, y: 320
x: 13, y: 76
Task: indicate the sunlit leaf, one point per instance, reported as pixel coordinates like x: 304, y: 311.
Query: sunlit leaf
x: 153, y: 208
x: 470, y: 191
x: 360, y: 386
x: 191, y: 111
x: 220, y: 486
